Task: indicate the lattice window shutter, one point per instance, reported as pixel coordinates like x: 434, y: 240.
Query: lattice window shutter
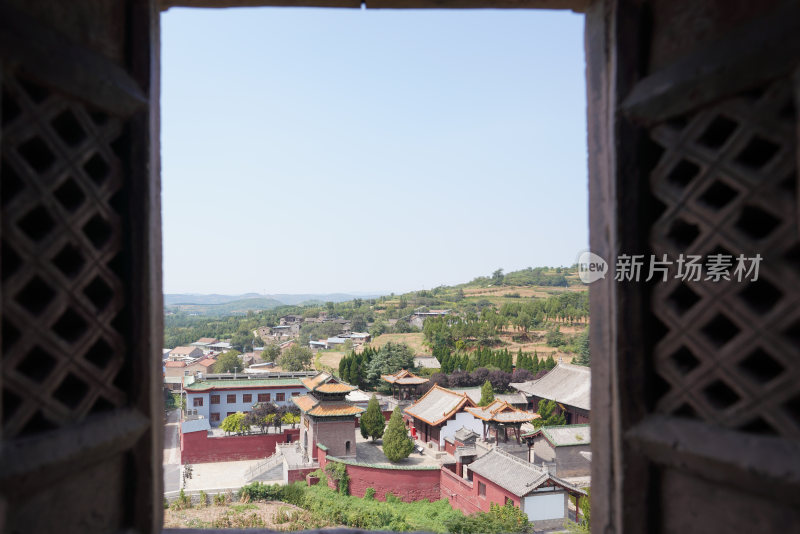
x: 79, y: 272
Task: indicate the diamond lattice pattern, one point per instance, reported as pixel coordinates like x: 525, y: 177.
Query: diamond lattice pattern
x: 728, y: 180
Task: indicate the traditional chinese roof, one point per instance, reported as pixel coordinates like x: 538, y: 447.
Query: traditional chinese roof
x: 327, y: 383
x: 502, y: 412
x: 404, y: 377
x: 515, y: 474
x: 565, y: 435
x: 312, y: 406
x: 438, y: 405
x: 565, y: 383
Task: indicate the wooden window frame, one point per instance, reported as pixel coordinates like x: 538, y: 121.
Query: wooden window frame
x: 280, y: 397
x: 247, y: 397
x: 214, y: 399
x: 230, y: 398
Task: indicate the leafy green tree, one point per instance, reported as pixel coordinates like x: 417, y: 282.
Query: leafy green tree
x: 296, y: 358
x: 549, y: 417
x: 372, y: 421
x: 228, y: 362
x: 497, y: 277
x: 584, y: 356
x: 270, y: 353
x: 487, y: 394
x: 396, y: 442
x: 235, y: 422
x: 584, y: 526
x: 388, y: 360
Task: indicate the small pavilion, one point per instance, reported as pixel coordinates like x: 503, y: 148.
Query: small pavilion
x: 500, y: 416
x: 405, y: 384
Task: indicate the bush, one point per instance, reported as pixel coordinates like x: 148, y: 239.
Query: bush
x: 391, y: 497
x: 338, y: 472
x: 182, y: 502
x: 369, y: 494
x: 221, y: 499
x: 203, y: 499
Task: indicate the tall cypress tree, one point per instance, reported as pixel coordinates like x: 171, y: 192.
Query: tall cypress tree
x: 372, y: 421
x: 396, y: 443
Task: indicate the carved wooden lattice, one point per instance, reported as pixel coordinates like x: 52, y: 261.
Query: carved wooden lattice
x: 728, y: 180
x: 61, y: 240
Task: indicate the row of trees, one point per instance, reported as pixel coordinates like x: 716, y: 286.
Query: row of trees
x: 527, y: 314
x: 499, y: 380
x: 263, y: 415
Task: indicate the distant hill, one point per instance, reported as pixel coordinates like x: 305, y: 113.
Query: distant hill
x: 216, y: 304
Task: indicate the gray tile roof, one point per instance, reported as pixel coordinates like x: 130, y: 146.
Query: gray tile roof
x: 515, y: 474
x: 564, y: 436
x: 437, y: 405
x: 511, y: 398
x: 465, y: 435
x: 565, y: 383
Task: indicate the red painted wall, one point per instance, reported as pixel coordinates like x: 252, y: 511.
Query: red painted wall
x: 458, y: 492
x: 198, y: 448
x: 295, y: 475
x: 407, y: 485
x: 463, y: 494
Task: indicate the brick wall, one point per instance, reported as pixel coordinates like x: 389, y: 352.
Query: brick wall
x: 463, y: 494
x: 458, y: 492
x: 407, y: 485
x: 334, y: 435
x: 198, y: 448
x: 295, y: 475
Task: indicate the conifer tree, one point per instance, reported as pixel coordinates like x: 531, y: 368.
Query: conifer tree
x: 535, y: 368
x: 487, y: 394
x: 372, y: 421
x: 396, y: 443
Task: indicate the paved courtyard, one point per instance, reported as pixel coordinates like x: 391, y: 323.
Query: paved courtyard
x: 368, y: 452
x: 221, y: 475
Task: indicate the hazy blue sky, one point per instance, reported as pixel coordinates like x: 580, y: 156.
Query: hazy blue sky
x: 376, y: 151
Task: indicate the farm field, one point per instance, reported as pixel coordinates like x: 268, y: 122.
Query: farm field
x: 328, y: 360
x: 416, y: 341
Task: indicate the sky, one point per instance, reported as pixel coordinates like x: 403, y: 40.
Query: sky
x: 373, y: 151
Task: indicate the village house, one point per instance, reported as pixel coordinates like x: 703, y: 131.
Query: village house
x: 202, y: 366
x: 565, y: 450
x: 438, y: 414
x: 566, y: 384
x: 216, y: 398
x: 499, y: 478
x: 360, y: 338
x: 204, y: 342
x: 185, y: 353
x: 290, y: 319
